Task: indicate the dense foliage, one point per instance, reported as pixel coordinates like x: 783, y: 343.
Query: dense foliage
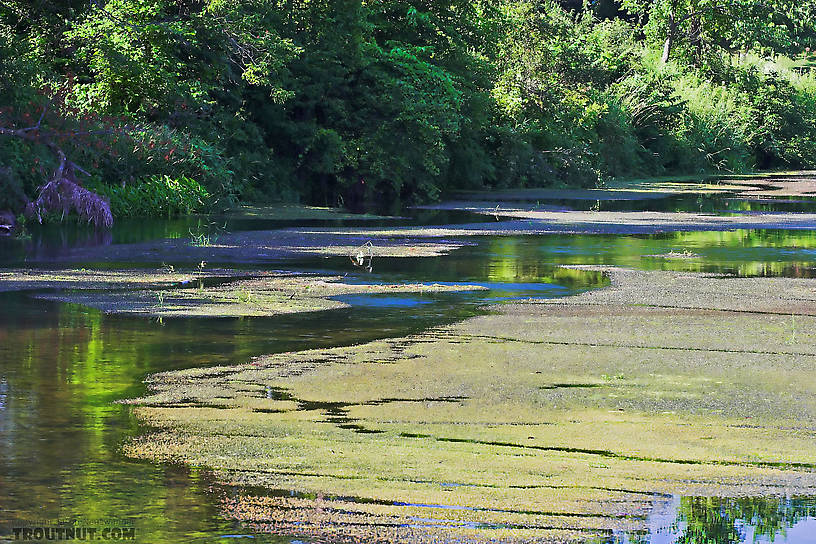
x: 351, y: 102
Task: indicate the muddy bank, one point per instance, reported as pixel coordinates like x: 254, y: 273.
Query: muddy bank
x: 535, y: 220
x: 785, y: 184
x: 561, y: 420
x: 643, y: 189
x: 265, y: 294
x: 772, y: 185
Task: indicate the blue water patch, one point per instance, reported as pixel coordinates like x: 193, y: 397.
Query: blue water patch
x: 493, y: 292
x: 381, y: 301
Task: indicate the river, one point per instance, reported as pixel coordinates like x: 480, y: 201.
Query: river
x: 63, y: 366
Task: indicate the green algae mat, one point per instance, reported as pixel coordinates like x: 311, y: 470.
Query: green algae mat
x: 560, y: 420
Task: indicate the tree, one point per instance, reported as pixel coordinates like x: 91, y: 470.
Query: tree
x: 785, y: 25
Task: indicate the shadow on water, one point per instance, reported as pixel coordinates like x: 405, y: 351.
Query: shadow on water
x: 51, y: 241
x: 62, y: 366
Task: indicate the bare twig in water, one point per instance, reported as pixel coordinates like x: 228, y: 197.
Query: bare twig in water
x: 364, y: 256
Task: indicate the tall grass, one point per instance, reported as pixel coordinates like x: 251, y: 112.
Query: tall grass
x: 155, y: 196
x: 736, y: 116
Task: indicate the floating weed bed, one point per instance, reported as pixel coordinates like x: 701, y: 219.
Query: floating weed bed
x: 264, y: 295
x: 563, y: 419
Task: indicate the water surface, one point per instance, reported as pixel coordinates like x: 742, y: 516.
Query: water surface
x: 62, y: 366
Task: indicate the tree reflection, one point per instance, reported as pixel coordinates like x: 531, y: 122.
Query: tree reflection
x: 726, y: 520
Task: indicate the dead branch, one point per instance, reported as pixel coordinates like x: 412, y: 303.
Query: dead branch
x: 62, y: 192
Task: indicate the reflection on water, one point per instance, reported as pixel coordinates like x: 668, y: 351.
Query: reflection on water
x: 62, y: 366
x: 698, y: 520
x: 517, y: 259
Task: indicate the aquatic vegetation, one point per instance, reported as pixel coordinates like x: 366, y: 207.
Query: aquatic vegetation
x: 262, y: 246
x: 685, y: 254
x: 159, y: 195
x: 72, y: 278
x: 563, y: 419
x: 199, y: 239
x: 264, y: 295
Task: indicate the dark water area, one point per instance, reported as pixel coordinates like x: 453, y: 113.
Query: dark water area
x: 51, y: 241
x: 63, y: 366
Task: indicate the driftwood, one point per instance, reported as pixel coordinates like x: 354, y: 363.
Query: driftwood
x: 7, y: 222
x: 62, y: 192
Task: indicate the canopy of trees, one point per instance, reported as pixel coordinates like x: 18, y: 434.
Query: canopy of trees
x: 352, y: 102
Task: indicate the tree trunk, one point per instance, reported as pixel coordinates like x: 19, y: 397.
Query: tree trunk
x: 667, y: 46
x: 696, y: 39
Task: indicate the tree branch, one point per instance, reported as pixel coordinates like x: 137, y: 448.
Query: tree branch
x: 722, y: 7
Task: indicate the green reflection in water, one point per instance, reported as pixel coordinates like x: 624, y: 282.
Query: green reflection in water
x: 712, y: 519
x: 789, y: 253
x: 744, y: 520
x: 61, y: 366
